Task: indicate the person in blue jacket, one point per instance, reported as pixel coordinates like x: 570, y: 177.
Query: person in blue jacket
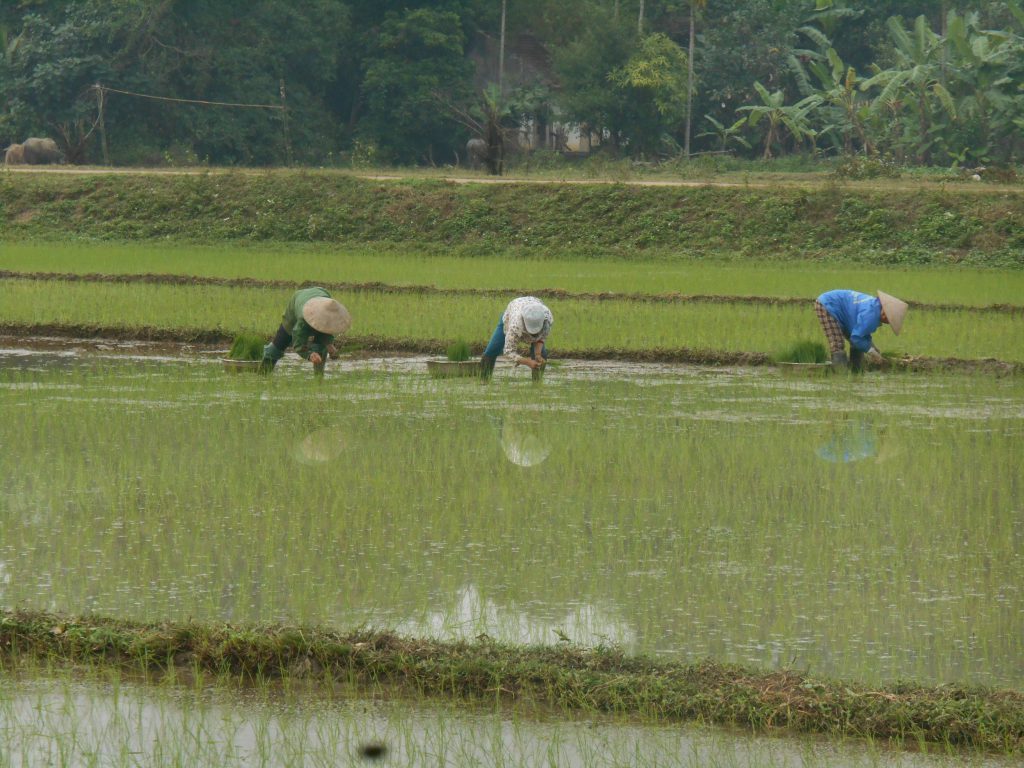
x: 853, y: 316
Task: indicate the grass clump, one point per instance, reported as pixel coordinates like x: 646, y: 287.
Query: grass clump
x: 459, y: 352
x: 804, y: 352
x: 246, y: 346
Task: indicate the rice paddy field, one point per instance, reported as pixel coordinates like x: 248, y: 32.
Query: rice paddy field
x: 868, y: 533
x: 858, y: 538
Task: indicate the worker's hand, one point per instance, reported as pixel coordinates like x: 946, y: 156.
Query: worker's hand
x: 332, y: 352
x: 530, y: 362
x: 875, y: 356
x: 315, y: 358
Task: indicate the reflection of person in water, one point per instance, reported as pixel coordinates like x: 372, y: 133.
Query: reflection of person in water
x: 850, y: 441
x: 522, y: 445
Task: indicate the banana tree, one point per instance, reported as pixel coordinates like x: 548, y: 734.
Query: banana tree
x: 917, y: 78
x: 836, y: 83
x: 781, y: 118
x: 986, y: 70
x: 726, y: 134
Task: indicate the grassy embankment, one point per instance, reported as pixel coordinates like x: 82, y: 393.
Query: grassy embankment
x: 567, y: 678
x: 787, y: 242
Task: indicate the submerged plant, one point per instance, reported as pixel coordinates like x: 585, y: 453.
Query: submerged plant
x: 459, y: 351
x: 246, y: 346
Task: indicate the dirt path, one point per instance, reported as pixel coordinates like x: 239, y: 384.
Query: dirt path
x: 766, y: 180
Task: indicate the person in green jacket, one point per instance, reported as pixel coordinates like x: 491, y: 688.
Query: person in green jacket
x: 311, y: 321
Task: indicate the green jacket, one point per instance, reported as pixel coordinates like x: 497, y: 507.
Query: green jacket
x: 305, y: 339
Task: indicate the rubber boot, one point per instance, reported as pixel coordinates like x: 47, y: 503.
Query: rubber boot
x: 271, y: 354
x: 856, y: 361
x: 840, y: 362
x: 487, y: 367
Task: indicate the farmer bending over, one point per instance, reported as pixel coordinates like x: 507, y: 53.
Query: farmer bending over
x: 853, y: 316
x: 311, y: 321
x: 525, y: 319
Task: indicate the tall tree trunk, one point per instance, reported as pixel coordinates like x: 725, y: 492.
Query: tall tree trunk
x: 640, y: 19
x: 689, y: 86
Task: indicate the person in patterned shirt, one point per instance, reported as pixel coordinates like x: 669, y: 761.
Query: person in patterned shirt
x: 525, y: 319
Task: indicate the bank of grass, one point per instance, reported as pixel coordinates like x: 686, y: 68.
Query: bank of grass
x: 614, y: 328
x: 882, y: 224
x: 601, y: 680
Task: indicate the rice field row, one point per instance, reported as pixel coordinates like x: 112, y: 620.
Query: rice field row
x: 57, y: 719
x: 579, y: 325
x: 515, y: 272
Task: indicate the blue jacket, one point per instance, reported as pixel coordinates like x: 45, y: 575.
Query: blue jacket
x: 858, y: 314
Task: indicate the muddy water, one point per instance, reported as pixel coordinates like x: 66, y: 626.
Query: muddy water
x: 868, y: 529
x: 46, y: 721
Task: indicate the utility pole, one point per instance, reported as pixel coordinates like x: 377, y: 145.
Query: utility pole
x: 284, y: 124
x: 101, y: 123
x: 501, y: 53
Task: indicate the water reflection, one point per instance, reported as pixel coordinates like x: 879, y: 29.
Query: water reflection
x: 523, y: 444
x: 471, y: 615
x: 320, y: 446
x: 849, y: 440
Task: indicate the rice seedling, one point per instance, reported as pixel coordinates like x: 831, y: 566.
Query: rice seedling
x: 405, y: 265
x: 60, y: 719
x: 685, y: 515
x: 438, y: 319
x: 246, y: 347
x: 459, y: 351
x: 804, y: 352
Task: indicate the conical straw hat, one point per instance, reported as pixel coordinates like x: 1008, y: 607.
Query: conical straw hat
x: 895, y: 310
x: 326, y: 315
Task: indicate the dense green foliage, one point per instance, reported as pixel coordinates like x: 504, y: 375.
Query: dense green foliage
x: 917, y: 225
x: 388, y: 81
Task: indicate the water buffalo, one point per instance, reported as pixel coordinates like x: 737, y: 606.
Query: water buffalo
x: 42, y: 152
x: 14, y: 155
x: 476, y: 151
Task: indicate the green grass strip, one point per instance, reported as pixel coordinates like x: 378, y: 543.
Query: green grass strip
x: 674, y: 271
x: 499, y: 293
x: 601, y: 680
x: 582, y: 328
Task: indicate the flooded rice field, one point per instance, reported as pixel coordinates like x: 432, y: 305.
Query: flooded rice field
x: 46, y: 720
x: 868, y: 529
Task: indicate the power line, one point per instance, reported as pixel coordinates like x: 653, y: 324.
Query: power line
x: 188, y: 101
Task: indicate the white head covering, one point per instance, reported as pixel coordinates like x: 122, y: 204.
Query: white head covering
x: 895, y: 310
x: 534, y: 317
x: 326, y: 315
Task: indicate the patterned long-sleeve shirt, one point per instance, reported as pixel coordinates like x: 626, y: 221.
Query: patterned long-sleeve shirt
x: 515, y: 325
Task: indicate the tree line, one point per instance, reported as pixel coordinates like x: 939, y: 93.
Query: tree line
x: 271, y: 82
